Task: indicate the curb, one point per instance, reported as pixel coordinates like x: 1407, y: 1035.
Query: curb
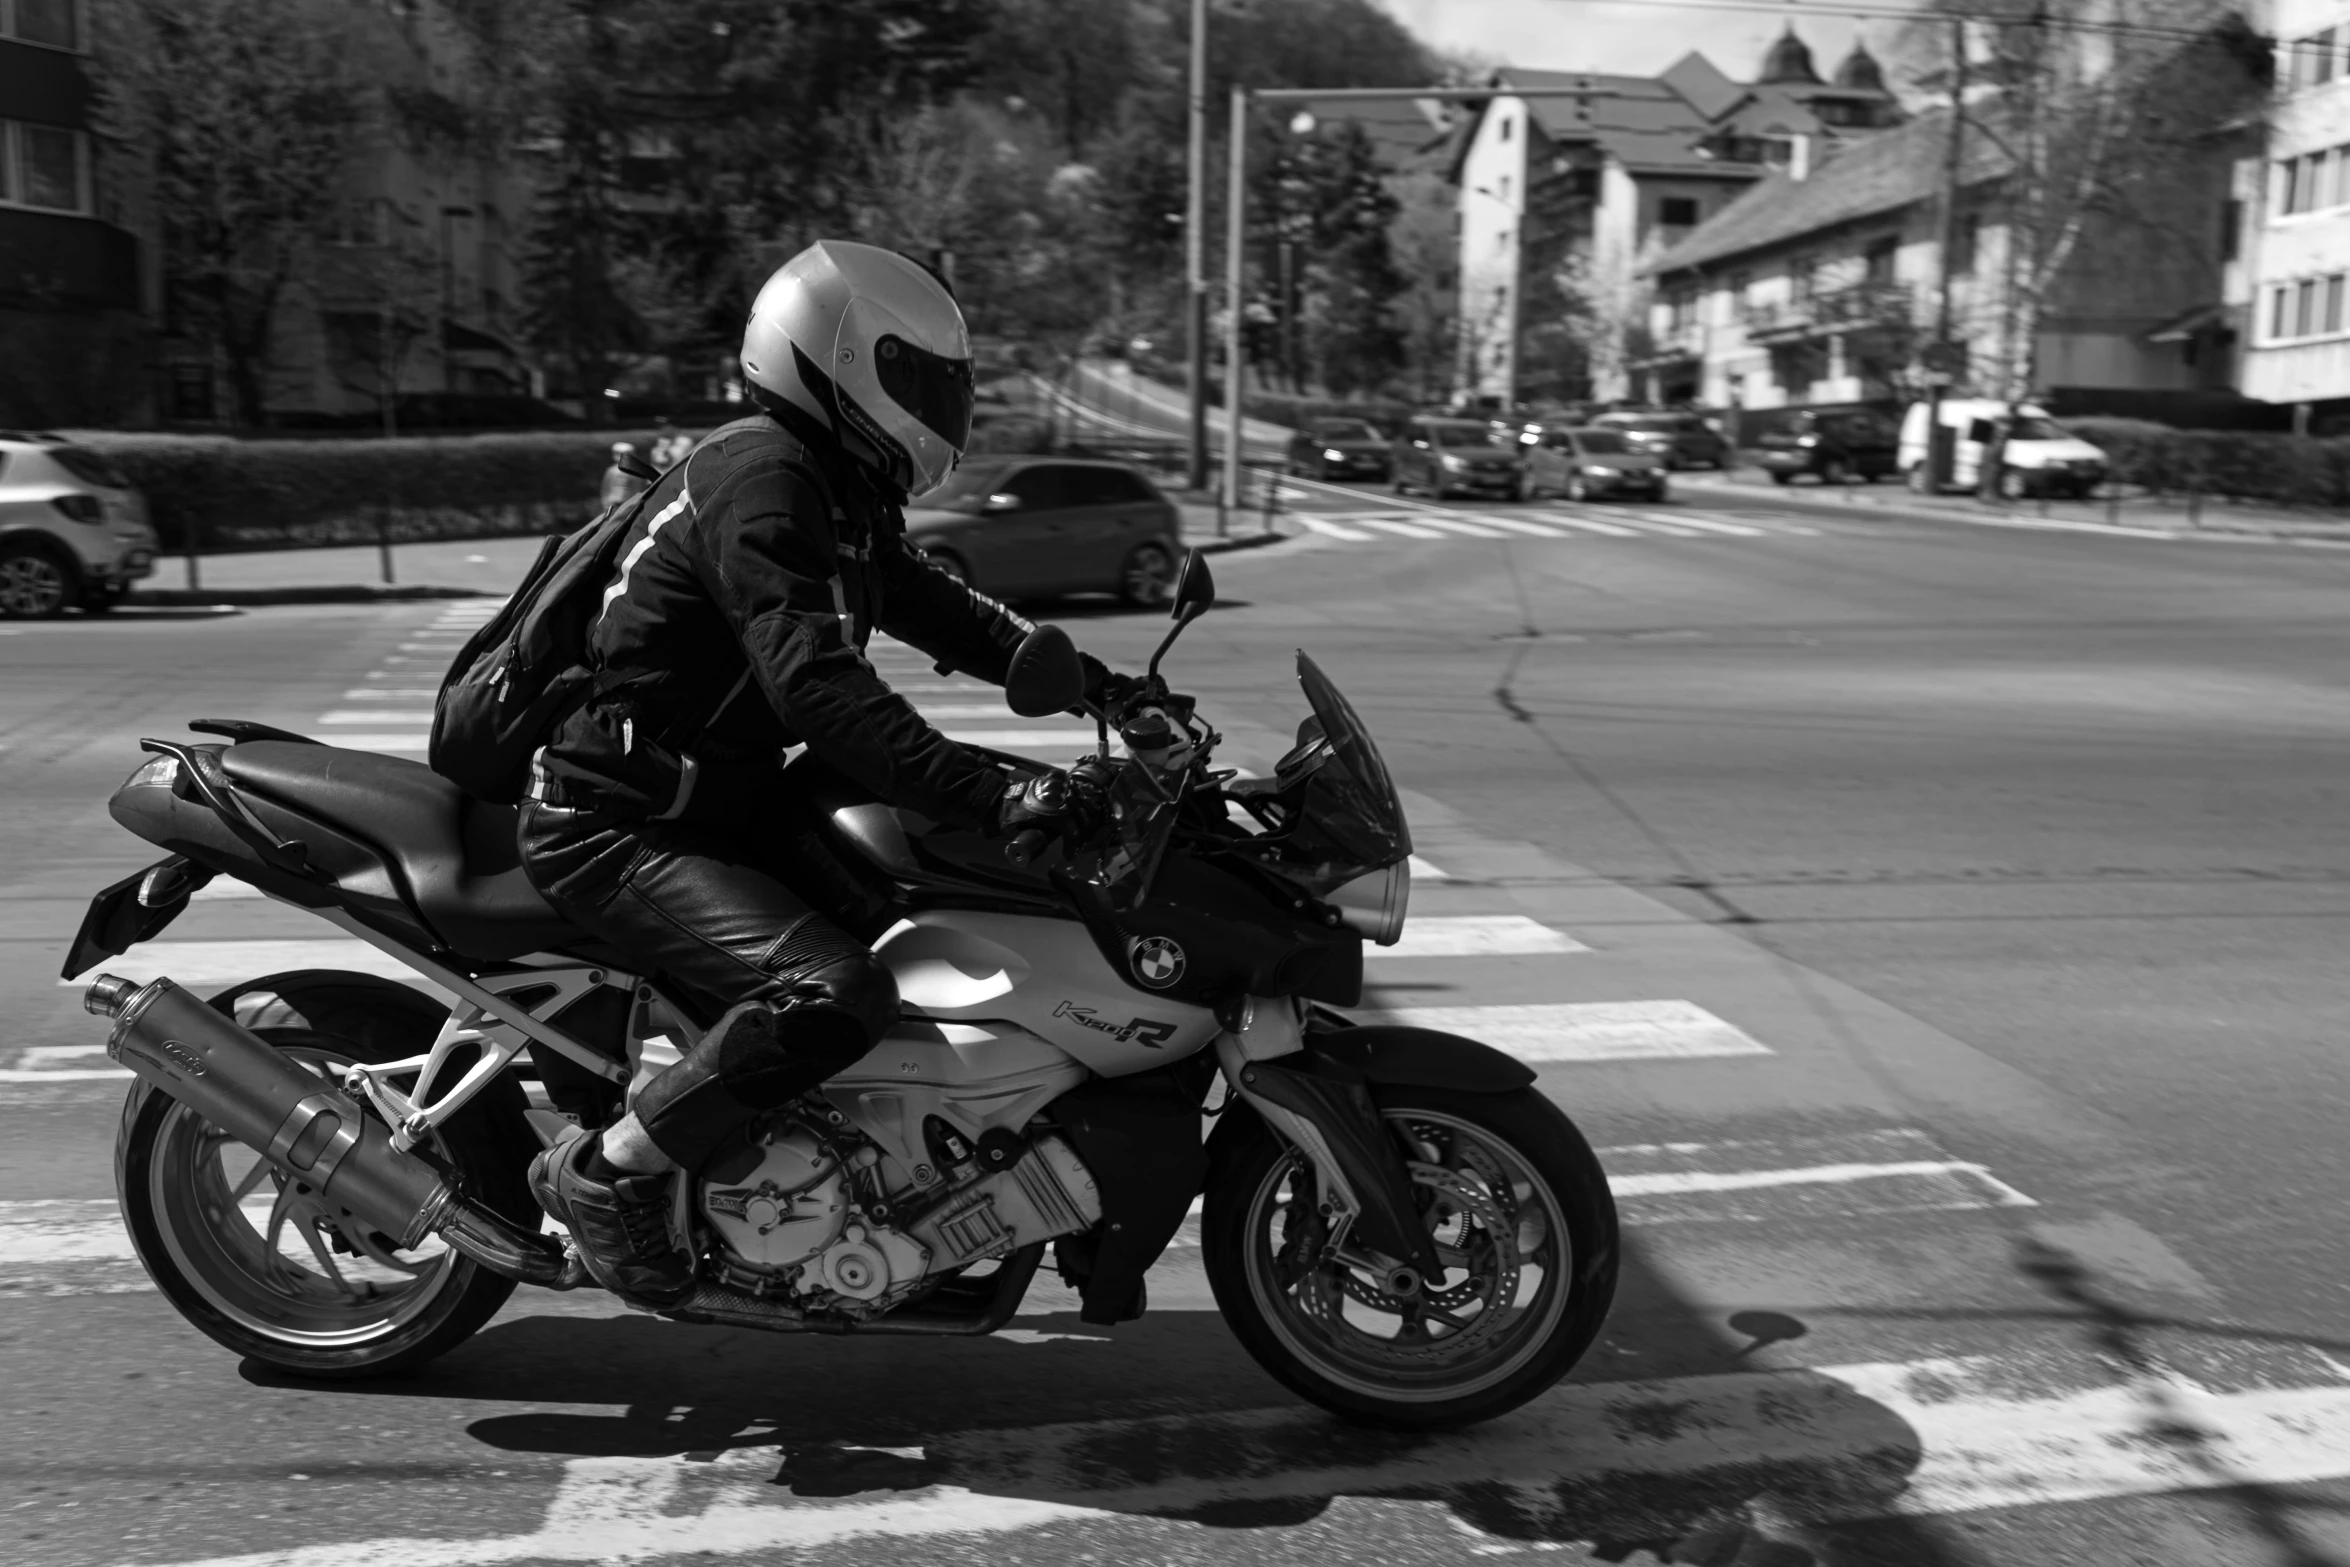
x: 1900, y: 503
x: 182, y: 598
x: 1246, y: 541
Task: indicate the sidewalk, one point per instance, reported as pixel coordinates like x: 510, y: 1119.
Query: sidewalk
x: 462, y: 568
x: 2169, y: 516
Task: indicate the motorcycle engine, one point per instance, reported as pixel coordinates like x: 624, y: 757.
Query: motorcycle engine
x: 789, y: 1207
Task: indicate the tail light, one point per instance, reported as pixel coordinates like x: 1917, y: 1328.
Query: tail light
x: 80, y: 508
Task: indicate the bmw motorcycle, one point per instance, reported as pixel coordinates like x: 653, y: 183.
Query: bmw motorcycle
x: 325, y: 1171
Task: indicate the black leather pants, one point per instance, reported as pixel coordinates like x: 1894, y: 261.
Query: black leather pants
x: 710, y: 910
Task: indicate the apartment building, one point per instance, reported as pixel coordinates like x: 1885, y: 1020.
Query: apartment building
x: 77, y: 272
x: 1562, y: 199
x: 2297, y: 262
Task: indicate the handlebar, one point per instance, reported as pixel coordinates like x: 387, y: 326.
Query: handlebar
x: 1026, y: 845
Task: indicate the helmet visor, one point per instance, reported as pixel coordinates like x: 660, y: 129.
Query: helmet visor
x: 933, y: 388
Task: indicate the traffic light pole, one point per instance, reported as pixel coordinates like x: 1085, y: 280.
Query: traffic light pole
x: 1195, y: 244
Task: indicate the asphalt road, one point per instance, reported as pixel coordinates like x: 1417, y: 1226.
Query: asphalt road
x: 1936, y: 927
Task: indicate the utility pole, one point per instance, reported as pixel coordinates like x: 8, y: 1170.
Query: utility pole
x: 1195, y: 252
x: 1939, y: 449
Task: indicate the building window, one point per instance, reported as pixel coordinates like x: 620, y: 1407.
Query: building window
x: 2333, y: 307
x: 43, y: 166
x: 1802, y: 273
x: 56, y: 23
x: 1741, y: 295
x: 1677, y: 212
x: 1503, y: 134
x: 2231, y: 229
x: 1878, y: 261
x: 2279, y: 301
x: 2305, y: 307
x: 191, y: 393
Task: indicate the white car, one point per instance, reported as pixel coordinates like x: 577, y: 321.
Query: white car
x: 72, y: 530
x: 2040, y: 457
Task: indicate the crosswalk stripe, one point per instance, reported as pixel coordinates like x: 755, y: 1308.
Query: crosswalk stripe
x: 1589, y: 1031
x: 1423, y: 870
x: 1409, y: 530
x: 1591, y: 525
x: 1671, y: 530
x: 1333, y: 530
x: 1476, y: 936
x: 1461, y: 525
x: 1737, y: 530
x: 1519, y: 525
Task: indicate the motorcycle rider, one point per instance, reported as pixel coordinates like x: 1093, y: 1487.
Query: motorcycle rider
x: 759, y: 566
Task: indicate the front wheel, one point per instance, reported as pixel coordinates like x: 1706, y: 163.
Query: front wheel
x: 1522, y: 1220
x: 1147, y: 577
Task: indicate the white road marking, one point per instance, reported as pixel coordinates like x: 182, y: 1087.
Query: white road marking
x: 1705, y: 524
x: 1591, y: 525
x: 354, y: 715
x: 1476, y: 936
x: 1591, y: 1030
x: 1685, y: 1182
x: 1409, y: 530
x: 66, y: 1230
x: 1331, y: 529
x: 224, y: 888
x: 1842, y: 1443
x: 1461, y: 525
x: 446, y: 645
x: 201, y: 964
x: 1520, y: 525
x: 1800, y: 1178
x: 1673, y: 530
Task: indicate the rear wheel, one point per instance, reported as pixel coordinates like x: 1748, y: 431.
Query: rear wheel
x: 34, y: 581
x: 257, y: 1264
x: 1833, y: 471
x: 1147, y: 577
x: 1522, y: 1220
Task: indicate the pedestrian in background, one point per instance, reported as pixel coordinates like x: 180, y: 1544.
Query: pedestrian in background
x: 619, y: 483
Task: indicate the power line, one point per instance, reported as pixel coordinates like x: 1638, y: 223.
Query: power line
x: 1859, y: 8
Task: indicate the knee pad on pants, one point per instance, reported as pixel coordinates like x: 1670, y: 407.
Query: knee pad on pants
x: 825, y: 1019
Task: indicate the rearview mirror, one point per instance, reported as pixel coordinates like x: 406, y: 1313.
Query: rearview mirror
x: 1046, y: 676
x: 1195, y: 588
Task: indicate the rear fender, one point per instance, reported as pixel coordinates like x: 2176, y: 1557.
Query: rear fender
x: 1421, y: 1058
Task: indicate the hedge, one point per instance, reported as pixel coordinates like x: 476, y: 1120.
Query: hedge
x: 2244, y: 465
x: 230, y: 495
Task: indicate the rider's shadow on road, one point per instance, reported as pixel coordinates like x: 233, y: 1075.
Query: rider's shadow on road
x: 1169, y: 1418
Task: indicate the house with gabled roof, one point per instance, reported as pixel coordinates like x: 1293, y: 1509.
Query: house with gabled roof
x: 1561, y: 199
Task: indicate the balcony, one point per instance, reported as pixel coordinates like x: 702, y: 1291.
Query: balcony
x: 1830, y: 311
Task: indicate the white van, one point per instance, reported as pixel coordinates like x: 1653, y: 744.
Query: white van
x: 2041, y: 459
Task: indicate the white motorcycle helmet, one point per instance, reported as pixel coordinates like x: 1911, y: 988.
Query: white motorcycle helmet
x: 873, y: 347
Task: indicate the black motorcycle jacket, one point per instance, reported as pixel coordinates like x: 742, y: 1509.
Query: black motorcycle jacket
x: 748, y: 587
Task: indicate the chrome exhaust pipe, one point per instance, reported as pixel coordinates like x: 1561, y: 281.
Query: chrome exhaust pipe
x: 309, y: 1130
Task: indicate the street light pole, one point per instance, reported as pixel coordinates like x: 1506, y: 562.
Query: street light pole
x: 1235, y: 230
x: 1195, y: 252
x: 1941, y: 451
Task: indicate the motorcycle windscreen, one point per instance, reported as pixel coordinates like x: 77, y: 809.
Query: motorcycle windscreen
x: 1351, y: 803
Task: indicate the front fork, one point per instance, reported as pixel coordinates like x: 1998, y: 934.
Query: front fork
x: 1323, y: 1109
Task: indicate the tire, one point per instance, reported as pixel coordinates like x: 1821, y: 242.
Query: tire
x: 102, y: 599
x: 1915, y: 479
x: 952, y: 564
x: 1578, y: 490
x: 1833, y: 472
x: 1291, y: 1327
x: 1782, y: 480
x: 1147, y: 577
x: 2014, y: 486
x: 36, y: 580
x: 218, y: 1267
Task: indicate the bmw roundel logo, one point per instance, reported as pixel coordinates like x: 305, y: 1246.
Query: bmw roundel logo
x: 1157, y: 962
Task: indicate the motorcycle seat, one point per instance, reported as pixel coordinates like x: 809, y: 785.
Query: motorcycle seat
x: 455, y: 854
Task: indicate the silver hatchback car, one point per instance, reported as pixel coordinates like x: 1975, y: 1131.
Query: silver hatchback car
x: 72, y: 530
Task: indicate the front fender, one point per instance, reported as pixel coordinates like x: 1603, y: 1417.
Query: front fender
x: 1422, y: 1058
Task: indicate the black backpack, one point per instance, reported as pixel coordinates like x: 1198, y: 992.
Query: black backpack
x: 526, y: 670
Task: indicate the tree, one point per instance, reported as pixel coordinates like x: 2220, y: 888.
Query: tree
x: 251, y: 109
x: 1426, y: 310
x: 1326, y: 198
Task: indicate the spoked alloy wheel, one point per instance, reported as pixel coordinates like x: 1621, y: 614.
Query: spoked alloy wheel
x: 259, y: 1262
x: 1524, y: 1227
x: 32, y: 583
x: 1147, y: 577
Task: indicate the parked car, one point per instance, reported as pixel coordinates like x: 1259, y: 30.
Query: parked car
x: 1832, y: 447
x: 1676, y: 440
x: 1031, y: 527
x: 1338, y: 449
x: 1590, y: 463
x: 72, y: 530
x: 2041, y: 457
x: 1445, y: 455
